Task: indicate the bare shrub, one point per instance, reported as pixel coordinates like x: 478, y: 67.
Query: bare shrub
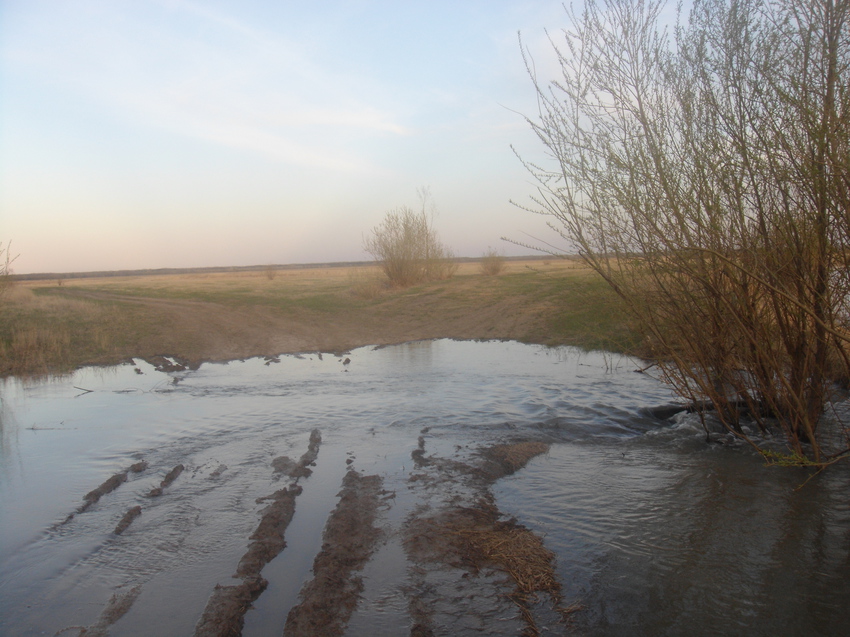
x: 493, y: 262
x: 408, y: 248
x: 6, y: 260
x: 270, y: 272
x: 705, y: 178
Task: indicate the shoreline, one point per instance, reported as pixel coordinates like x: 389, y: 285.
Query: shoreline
x: 47, y: 327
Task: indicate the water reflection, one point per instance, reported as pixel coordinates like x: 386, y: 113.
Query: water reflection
x: 8, y: 439
x: 662, y: 538
x: 412, y: 355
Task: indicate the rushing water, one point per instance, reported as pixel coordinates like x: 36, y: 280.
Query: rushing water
x: 655, y: 531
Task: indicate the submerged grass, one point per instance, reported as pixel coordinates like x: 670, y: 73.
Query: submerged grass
x: 46, y: 326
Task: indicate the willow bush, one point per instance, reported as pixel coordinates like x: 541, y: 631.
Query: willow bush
x: 408, y: 248
x: 702, y: 170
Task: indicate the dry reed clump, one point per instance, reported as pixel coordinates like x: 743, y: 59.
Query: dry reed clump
x: 512, y: 547
x: 475, y: 537
x: 492, y: 263
x: 37, y: 331
x: 35, y: 348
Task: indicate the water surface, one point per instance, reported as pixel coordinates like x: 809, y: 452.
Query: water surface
x: 655, y: 531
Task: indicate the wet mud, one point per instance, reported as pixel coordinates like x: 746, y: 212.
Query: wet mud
x: 350, y: 535
x: 224, y: 614
x: 301, y: 469
x: 634, y: 511
x: 115, y: 609
x: 268, y: 540
x: 469, y: 561
x: 466, y: 563
x: 169, y: 363
x: 169, y: 478
x: 106, y: 487
x: 127, y: 520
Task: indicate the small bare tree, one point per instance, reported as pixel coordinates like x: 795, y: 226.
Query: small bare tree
x: 408, y: 247
x: 6, y: 260
x: 492, y: 262
x: 706, y: 178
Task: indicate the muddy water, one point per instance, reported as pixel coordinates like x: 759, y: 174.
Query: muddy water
x: 655, y: 532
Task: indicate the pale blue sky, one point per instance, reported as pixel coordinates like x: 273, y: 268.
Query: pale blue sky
x: 181, y: 133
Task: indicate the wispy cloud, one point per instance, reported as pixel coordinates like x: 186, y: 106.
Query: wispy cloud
x: 183, y: 67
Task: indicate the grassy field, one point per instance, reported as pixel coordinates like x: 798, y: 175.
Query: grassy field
x: 46, y: 326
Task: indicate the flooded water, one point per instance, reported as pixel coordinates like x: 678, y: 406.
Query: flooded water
x: 655, y: 531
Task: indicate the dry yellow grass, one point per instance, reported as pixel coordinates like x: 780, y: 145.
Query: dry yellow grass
x: 53, y: 326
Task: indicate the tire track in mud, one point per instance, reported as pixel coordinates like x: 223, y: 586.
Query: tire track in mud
x: 349, y: 539
x: 468, y: 568
x: 116, y: 608
x: 107, y: 486
x: 224, y: 614
x: 112, y: 483
x: 136, y: 511
x: 120, y: 602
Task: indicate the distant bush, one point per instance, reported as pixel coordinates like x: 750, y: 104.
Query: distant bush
x: 270, y: 272
x: 493, y: 262
x: 408, y: 249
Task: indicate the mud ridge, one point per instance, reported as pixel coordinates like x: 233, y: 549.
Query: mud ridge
x: 503, y: 460
x: 224, y: 614
x: 350, y: 535
x: 301, y: 469
x: 169, y: 478
x: 116, y: 608
x: 107, y: 486
x: 465, y: 539
x: 227, y: 606
x: 268, y: 540
x: 127, y: 520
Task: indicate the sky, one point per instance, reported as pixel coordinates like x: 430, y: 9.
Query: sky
x: 188, y: 133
